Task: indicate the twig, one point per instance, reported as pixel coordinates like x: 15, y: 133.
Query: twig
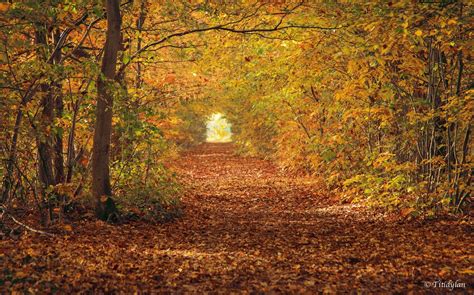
x: 24, y: 225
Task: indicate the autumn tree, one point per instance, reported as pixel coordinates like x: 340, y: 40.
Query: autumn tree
x: 373, y: 96
x: 103, y: 127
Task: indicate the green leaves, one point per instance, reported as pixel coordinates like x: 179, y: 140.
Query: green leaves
x: 328, y: 155
x: 125, y: 58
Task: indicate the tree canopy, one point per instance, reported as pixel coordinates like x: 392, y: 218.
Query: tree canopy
x: 374, y: 99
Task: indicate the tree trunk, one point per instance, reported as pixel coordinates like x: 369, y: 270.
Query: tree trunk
x: 105, y: 207
x: 59, y: 108
x: 140, y: 22
x: 45, y: 153
x: 44, y: 133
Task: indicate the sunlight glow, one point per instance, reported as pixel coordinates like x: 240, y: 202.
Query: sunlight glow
x: 218, y: 129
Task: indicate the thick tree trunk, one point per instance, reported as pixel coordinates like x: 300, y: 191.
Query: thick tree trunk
x: 101, y: 187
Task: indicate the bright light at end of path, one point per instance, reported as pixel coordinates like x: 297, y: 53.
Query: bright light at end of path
x: 218, y: 129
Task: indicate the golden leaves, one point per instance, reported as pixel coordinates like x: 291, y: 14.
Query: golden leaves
x: 248, y: 227
x: 4, y: 7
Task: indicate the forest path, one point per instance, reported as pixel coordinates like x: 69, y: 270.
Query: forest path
x: 259, y: 229
x: 246, y: 228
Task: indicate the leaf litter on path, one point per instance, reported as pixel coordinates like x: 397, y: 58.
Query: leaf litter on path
x: 247, y: 228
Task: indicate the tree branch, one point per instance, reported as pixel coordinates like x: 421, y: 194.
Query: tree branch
x: 226, y: 27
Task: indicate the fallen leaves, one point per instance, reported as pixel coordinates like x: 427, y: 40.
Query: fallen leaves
x: 246, y: 228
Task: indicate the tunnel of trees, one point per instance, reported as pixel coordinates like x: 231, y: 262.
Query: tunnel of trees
x: 373, y: 99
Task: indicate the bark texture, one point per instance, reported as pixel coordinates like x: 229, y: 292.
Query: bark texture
x: 103, y: 126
